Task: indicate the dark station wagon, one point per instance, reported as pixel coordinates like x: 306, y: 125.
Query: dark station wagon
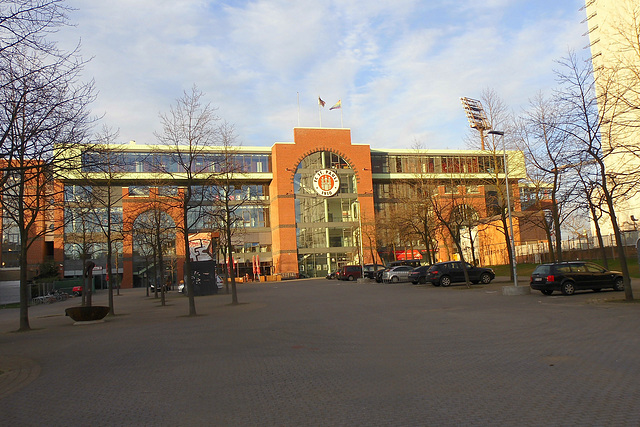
x: 568, y: 277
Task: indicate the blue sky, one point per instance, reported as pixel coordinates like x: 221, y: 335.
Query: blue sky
x: 399, y: 66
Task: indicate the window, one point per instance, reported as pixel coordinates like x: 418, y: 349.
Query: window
x: 451, y: 189
x: 138, y: 191
x: 578, y: 268
x: 473, y: 189
x: 593, y: 268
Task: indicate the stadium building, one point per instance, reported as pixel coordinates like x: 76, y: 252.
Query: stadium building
x: 305, y: 207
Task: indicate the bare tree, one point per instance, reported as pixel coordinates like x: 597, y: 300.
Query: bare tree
x: 499, y: 199
x: 189, y: 129
x: 230, y: 198
x: 450, y: 209
x: 102, y: 166
x: 154, y: 233
x: 590, y: 122
x: 80, y: 229
x: 43, y: 114
x: 548, y: 152
x: 26, y: 23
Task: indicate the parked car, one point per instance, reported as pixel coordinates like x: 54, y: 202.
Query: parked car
x: 397, y: 274
x: 567, y: 277
x: 412, y: 262
x: 446, y: 273
x: 419, y: 274
x: 331, y: 275
x: 370, y: 270
x: 350, y: 272
x: 166, y: 287
x: 379, y: 273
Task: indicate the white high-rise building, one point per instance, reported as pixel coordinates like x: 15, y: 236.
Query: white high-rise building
x: 614, y: 29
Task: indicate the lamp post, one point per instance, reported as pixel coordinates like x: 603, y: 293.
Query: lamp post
x: 506, y: 182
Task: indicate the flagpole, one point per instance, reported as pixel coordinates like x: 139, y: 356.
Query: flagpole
x: 298, y: 109
x: 338, y: 105
x: 320, y: 113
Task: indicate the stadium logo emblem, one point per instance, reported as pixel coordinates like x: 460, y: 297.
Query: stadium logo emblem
x: 326, y: 182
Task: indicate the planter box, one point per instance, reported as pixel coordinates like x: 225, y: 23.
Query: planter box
x: 87, y: 314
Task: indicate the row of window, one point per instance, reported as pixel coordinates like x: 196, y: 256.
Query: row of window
x: 202, y: 217
x: 435, y: 164
x: 403, y: 190
x: 77, y: 193
x: 93, y: 161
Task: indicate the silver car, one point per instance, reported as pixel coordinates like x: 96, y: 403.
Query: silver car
x: 397, y: 274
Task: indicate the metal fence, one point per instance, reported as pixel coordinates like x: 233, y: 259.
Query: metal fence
x: 584, y: 247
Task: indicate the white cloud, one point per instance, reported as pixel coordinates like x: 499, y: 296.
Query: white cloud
x: 399, y: 66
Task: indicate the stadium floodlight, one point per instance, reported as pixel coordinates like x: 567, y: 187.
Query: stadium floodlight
x: 476, y: 116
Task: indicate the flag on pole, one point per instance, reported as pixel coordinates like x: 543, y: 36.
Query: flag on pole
x: 337, y: 105
x: 321, y: 102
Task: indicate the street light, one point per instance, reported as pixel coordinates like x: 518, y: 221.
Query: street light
x: 506, y: 182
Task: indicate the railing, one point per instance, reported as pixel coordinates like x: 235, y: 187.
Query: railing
x: 583, y: 247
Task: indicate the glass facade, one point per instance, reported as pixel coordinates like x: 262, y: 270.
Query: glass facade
x: 326, y: 227
x: 418, y: 163
x: 169, y: 162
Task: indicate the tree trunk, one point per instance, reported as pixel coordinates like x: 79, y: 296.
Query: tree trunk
x: 505, y: 227
x: 628, y: 292
x: 602, y: 249
x: 110, y: 277
x: 232, y: 274
x: 25, y: 289
x: 188, y: 280
x: 547, y: 232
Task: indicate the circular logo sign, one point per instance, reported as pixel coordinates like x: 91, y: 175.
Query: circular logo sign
x: 326, y: 182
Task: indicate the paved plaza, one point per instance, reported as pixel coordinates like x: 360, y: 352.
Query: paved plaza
x: 317, y: 352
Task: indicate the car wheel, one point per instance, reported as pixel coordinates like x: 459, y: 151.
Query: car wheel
x: 415, y: 282
x: 485, y: 278
x: 445, y: 281
x: 568, y: 288
x: 619, y: 285
x: 351, y: 278
x: 547, y: 292
x: 395, y: 279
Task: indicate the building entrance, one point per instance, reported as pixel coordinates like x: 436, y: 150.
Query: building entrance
x: 326, y: 223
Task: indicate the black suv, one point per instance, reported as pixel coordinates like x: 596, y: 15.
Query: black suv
x: 567, y: 277
x: 419, y: 274
x: 446, y: 273
x: 370, y: 270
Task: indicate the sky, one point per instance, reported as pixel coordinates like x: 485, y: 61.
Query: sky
x: 399, y: 67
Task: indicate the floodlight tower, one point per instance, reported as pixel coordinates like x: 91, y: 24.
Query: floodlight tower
x: 476, y: 116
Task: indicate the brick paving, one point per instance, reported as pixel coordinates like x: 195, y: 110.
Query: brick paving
x: 325, y: 353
